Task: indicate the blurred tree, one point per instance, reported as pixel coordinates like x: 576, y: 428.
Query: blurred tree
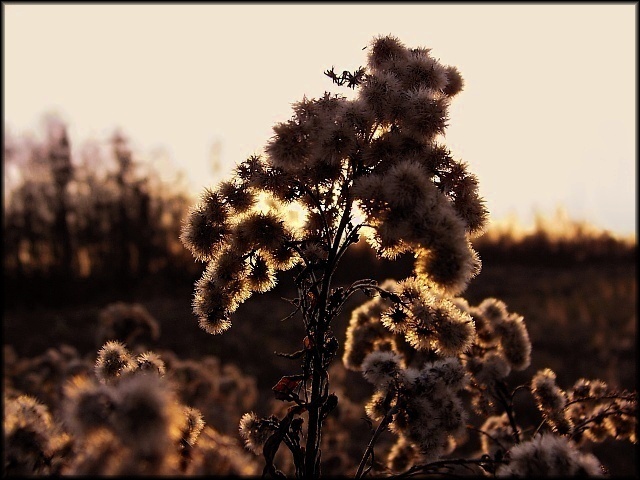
x: 58, y: 154
x: 99, y: 215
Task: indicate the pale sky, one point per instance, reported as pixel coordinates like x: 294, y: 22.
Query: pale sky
x: 547, y: 116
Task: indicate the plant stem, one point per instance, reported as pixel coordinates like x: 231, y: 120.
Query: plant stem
x: 323, y: 319
x: 314, y: 428
x: 502, y: 395
x: 383, y: 424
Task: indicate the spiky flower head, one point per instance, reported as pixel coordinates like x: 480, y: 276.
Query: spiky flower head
x: 150, y: 362
x: 261, y: 275
x: 114, y: 360
x: 193, y: 425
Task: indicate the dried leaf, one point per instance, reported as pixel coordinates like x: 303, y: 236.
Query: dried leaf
x: 284, y: 389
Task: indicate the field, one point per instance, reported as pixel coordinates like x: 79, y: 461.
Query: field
x: 581, y: 317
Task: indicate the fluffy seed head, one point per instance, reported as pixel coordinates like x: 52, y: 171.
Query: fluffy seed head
x: 364, y: 331
x: 30, y: 437
x: 449, y: 266
x: 499, y: 436
x: 375, y: 408
x: 624, y: 425
x: 494, y: 310
x: 289, y: 147
x: 88, y: 406
x: 255, y: 432
x: 200, y: 235
x: 515, y: 343
x: 420, y: 332
x: 260, y: 231
x: 261, y: 276
x: 402, y: 455
x: 551, y: 400
x: 549, y: 456
x: 455, y: 330
x: 422, y: 71
x: 382, y: 94
x: 388, y: 237
x: 385, y: 51
x: 368, y: 190
x: 148, y: 417
x: 491, y: 368
x: 426, y: 112
x: 237, y: 196
x: 455, y: 82
x: 468, y: 204
x: 282, y: 258
x: 381, y: 368
x: 549, y: 396
x: 404, y: 184
x: 26, y: 411
x: 214, y: 325
x: 449, y: 371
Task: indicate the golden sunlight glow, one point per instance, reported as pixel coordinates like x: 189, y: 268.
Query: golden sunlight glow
x: 293, y: 213
x: 358, y: 217
x: 559, y: 226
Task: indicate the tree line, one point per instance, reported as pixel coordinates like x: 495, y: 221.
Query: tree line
x: 102, y: 214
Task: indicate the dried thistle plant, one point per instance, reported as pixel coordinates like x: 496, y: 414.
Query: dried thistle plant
x: 373, y: 166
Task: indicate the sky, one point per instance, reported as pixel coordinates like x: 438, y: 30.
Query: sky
x: 547, y: 117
